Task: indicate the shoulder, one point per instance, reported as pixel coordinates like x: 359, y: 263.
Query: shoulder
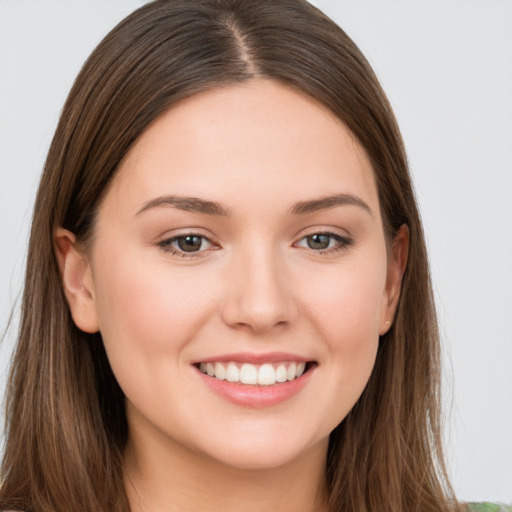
x: 489, y: 507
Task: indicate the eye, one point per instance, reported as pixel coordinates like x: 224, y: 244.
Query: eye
x: 186, y: 245
x: 324, y: 242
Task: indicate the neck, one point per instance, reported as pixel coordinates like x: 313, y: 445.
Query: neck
x: 173, y: 478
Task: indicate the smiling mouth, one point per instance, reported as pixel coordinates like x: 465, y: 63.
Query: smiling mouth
x: 266, y: 374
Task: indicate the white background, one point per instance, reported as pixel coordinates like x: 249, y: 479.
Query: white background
x: 447, y: 68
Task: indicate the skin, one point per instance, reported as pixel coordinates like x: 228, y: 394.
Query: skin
x: 257, y: 286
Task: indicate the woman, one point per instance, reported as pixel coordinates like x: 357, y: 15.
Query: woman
x: 226, y: 270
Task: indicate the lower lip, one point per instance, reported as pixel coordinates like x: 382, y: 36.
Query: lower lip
x: 256, y: 396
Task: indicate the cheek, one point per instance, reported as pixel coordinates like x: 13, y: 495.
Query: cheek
x: 345, y: 301
x: 344, y: 305
x: 146, y: 310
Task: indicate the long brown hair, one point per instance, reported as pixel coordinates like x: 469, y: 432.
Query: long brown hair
x: 66, y: 423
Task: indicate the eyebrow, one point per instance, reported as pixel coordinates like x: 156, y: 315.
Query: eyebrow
x: 189, y: 204
x: 196, y: 205
x: 327, y: 202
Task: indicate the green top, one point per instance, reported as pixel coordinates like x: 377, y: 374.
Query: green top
x: 489, y: 507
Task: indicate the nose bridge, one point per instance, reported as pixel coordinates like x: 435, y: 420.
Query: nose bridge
x: 259, y: 294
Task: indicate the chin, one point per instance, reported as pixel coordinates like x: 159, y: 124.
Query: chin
x: 263, y: 448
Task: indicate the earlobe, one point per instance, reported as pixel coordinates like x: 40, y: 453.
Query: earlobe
x: 77, y: 280
x: 396, y: 268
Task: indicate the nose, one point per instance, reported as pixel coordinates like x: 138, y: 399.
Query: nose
x: 259, y: 295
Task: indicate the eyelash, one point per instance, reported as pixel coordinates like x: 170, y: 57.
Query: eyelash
x: 167, y: 245
x: 343, y: 242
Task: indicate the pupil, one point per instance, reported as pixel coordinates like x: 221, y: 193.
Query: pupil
x: 190, y: 243
x: 318, y: 241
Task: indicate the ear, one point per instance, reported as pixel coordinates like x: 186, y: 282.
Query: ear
x: 396, y: 268
x: 76, y: 275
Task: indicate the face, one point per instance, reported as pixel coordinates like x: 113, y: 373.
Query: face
x: 239, y: 276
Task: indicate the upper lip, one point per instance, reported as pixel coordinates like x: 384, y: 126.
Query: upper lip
x: 254, y: 358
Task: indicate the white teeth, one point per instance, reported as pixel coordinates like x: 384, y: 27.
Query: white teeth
x: 220, y: 371
x: 248, y: 374
x: 281, y: 373
x: 266, y: 374
x: 291, y: 372
x: 232, y: 373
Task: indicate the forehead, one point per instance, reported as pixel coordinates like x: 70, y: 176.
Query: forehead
x: 259, y: 139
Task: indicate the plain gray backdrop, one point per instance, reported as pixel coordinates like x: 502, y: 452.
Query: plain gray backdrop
x: 447, y: 68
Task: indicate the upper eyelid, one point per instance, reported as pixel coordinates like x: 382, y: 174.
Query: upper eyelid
x: 322, y: 232
x: 326, y: 230
x: 335, y: 236
x: 181, y: 233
